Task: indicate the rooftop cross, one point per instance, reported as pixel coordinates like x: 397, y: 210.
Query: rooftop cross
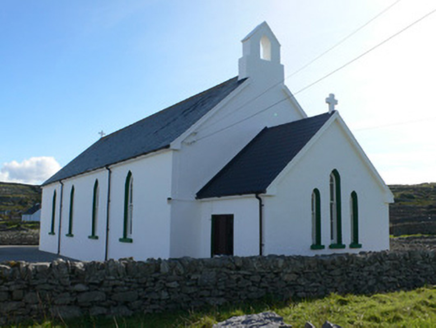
x: 332, y: 102
x: 102, y: 134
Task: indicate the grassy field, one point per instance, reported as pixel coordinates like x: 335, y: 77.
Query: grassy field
x: 415, y: 308
x: 16, y: 198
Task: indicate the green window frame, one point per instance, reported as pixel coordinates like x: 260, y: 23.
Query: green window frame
x: 128, y: 210
x: 335, y: 211
x: 354, y: 215
x: 71, y: 214
x: 316, y: 220
x: 95, y: 206
x: 53, y: 214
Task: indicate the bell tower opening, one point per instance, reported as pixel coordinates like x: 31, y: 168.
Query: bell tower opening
x: 265, y: 48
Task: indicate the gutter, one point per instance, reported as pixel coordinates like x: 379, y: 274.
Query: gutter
x: 260, y: 224
x: 106, y: 250
x: 60, y: 216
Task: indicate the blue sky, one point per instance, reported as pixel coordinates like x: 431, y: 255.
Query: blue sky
x: 69, y: 69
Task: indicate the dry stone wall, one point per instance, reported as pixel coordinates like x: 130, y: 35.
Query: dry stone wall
x: 70, y: 289
x: 19, y: 237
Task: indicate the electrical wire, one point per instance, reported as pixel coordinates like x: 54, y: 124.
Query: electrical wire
x: 367, y: 52
x: 309, y: 63
x: 343, y: 40
x: 322, y: 78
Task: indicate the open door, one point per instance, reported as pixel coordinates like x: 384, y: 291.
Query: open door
x: 222, y: 234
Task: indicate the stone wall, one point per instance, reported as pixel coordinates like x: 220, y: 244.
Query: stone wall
x: 19, y: 237
x: 69, y: 289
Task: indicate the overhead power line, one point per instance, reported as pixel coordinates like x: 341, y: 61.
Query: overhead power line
x: 367, y: 52
x: 309, y: 63
x: 343, y: 40
x: 317, y: 81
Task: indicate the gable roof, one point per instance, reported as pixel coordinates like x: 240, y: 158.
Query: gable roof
x: 255, y: 167
x: 33, y: 209
x: 148, y: 135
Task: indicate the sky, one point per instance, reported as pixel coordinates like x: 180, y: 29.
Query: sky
x: 70, y: 69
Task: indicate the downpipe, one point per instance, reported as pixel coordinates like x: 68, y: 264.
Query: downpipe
x: 260, y: 225
x: 60, y: 216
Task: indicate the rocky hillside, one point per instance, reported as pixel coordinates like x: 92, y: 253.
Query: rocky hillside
x: 16, y: 198
x: 414, y: 210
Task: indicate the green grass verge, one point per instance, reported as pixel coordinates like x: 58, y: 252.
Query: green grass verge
x: 415, y: 308
x: 412, y: 235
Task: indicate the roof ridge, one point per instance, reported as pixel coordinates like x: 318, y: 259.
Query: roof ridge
x: 169, y: 107
x: 152, y: 133
x: 302, y: 119
x: 231, y: 161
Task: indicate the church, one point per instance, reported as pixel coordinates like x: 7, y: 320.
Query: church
x: 238, y: 169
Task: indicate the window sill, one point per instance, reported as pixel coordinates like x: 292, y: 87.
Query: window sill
x: 355, y: 245
x: 126, y: 240
x: 51, y: 233
x: 316, y: 247
x: 337, y: 246
x: 93, y: 237
x: 69, y: 235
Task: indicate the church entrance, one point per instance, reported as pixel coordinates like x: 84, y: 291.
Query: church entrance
x: 222, y: 234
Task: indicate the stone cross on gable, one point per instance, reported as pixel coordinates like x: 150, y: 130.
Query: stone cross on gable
x: 102, y: 134
x: 332, y: 102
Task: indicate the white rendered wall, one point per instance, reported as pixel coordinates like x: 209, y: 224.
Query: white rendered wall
x: 245, y: 224
x: 151, y: 209
x: 35, y: 217
x: 49, y: 243
x: 198, y: 161
x: 288, y: 221
x: 80, y: 246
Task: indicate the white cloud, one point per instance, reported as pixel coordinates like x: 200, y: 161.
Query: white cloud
x: 34, y: 170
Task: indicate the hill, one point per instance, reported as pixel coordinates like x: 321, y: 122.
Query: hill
x: 414, y: 210
x: 16, y: 198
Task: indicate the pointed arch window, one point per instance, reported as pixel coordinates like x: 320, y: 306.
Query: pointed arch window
x: 354, y: 216
x: 316, y: 220
x: 71, y: 214
x: 335, y: 211
x: 128, y: 210
x: 95, y: 206
x: 53, y: 214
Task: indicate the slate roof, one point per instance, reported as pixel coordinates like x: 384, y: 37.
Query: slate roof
x: 256, y: 166
x: 148, y: 135
x: 33, y: 209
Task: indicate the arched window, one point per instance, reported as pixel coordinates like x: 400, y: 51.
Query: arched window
x: 71, y: 214
x: 53, y: 214
x: 335, y: 211
x: 128, y: 210
x: 354, y: 216
x: 95, y: 205
x: 265, y: 48
x: 316, y: 220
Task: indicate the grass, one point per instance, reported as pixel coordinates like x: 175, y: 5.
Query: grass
x: 14, y: 224
x: 413, y: 235
x: 415, y: 308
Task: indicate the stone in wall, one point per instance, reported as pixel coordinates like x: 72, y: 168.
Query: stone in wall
x: 125, y: 287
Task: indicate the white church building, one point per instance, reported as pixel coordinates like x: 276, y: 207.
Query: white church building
x: 238, y: 169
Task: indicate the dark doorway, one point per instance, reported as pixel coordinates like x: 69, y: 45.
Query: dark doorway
x: 222, y: 234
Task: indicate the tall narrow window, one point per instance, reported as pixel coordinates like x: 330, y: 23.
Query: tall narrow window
x: 53, y: 214
x: 354, y: 216
x: 128, y: 210
x: 95, y: 204
x: 335, y: 211
x: 316, y: 220
x: 71, y: 214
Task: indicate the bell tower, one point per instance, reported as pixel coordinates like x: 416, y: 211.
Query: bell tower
x: 261, y: 56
